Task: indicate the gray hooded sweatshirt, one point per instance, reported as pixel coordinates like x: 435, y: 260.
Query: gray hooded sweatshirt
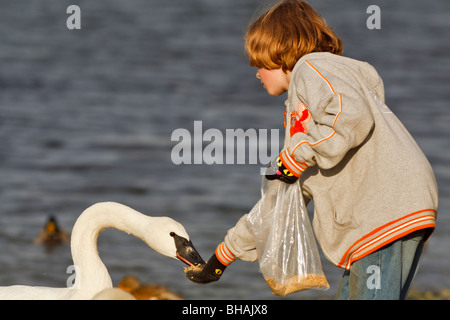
x: 368, y: 179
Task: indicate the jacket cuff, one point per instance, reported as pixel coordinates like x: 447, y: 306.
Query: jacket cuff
x: 296, y: 168
x: 224, y: 254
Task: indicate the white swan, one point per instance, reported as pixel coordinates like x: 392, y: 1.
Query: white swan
x: 162, y: 234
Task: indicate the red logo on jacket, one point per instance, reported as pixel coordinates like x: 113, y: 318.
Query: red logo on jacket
x: 299, y: 119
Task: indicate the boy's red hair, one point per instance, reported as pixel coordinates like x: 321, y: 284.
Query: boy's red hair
x: 285, y: 33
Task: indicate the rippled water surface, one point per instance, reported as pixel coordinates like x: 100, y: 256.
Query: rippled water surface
x: 87, y: 116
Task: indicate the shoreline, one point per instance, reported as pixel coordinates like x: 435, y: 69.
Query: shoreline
x: 443, y: 294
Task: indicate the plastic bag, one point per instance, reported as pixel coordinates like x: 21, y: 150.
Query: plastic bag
x: 287, y: 251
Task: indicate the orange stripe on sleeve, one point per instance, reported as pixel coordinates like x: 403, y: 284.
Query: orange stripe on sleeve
x: 325, y: 79
x: 224, y: 255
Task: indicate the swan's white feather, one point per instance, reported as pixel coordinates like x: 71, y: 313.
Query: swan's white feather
x: 21, y: 292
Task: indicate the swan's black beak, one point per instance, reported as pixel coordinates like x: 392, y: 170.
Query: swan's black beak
x: 186, y: 251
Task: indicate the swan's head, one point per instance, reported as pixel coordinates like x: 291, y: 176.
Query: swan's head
x: 186, y: 251
x: 172, y: 240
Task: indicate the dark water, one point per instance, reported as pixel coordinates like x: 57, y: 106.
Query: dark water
x: 87, y: 116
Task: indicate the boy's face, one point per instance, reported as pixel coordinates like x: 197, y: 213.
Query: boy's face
x: 275, y: 81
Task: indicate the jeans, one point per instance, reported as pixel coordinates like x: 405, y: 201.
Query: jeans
x: 386, y: 274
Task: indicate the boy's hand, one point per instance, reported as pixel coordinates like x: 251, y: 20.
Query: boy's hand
x: 213, y: 269
x: 277, y: 170
x: 206, y: 273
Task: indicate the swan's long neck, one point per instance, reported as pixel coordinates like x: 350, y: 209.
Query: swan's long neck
x: 92, y: 275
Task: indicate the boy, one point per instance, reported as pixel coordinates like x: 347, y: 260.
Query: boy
x: 374, y: 192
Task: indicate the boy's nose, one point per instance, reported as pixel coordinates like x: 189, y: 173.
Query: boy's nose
x: 257, y: 75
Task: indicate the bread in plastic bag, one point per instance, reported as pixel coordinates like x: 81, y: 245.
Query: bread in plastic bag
x: 287, y: 251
